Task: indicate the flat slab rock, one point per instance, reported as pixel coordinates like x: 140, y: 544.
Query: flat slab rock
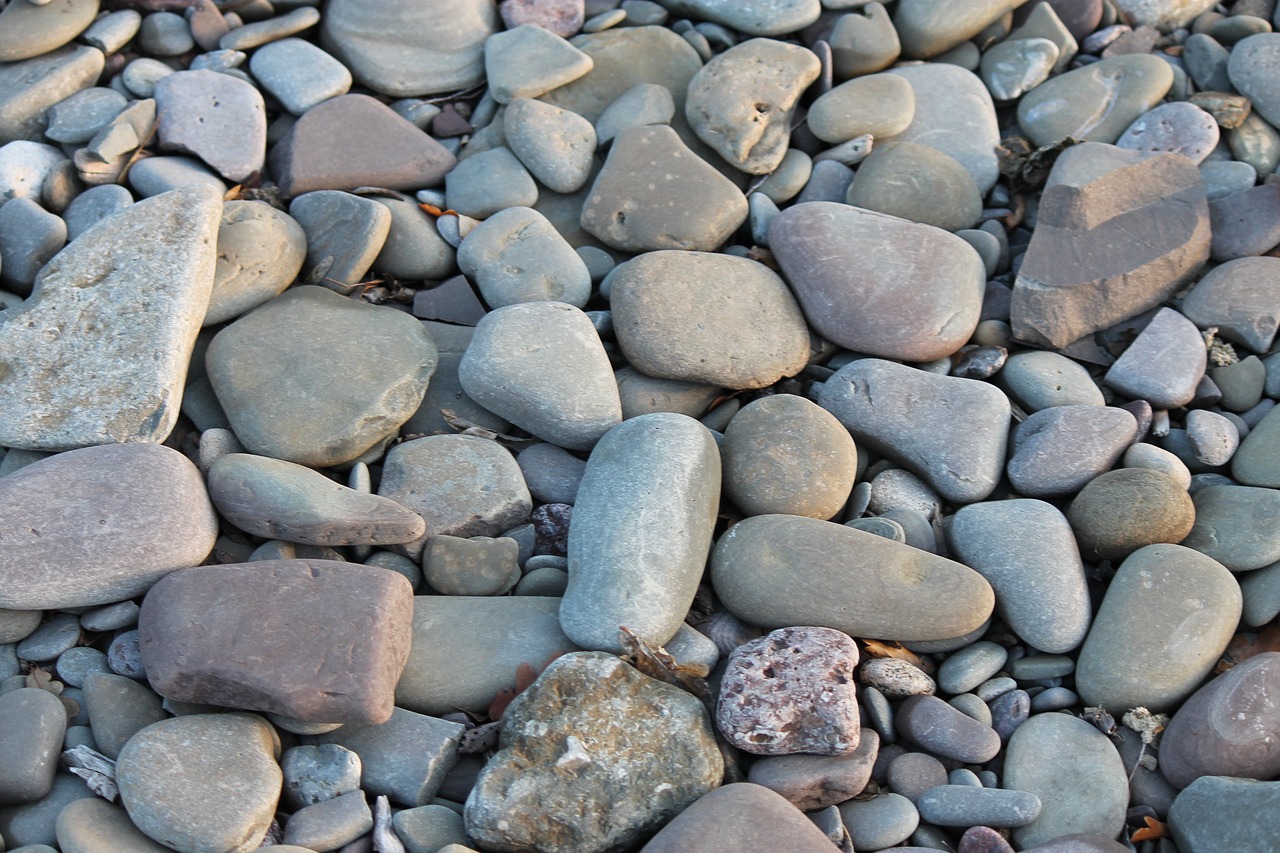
x: 314, y: 640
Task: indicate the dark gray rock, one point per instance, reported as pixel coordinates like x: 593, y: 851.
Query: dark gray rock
x: 1219, y: 813
x: 1237, y: 526
x: 965, y: 805
x: 945, y: 731
x: 408, y: 777
x: 1057, y: 450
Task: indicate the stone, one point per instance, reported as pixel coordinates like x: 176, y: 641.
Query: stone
x: 1190, y: 606
x: 792, y: 691
x: 155, y: 175
x: 928, y: 28
x: 1178, y: 127
x: 203, y: 782
x: 562, y: 17
x: 330, y: 824
x: 413, y: 249
x: 671, y: 310
x: 654, y: 193
x: 1214, y: 811
x: 1039, y: 379
x: 528, y: 60
x: 298, y: 74
x: 461, y: 485
x: 216, y: 117
x: 913, y: 773
x: 1075, y: 772
x: 466, y: 649
x: 896, y: 679
x: 735, y: 817
x: 945, y: 731
x: 1057, y: 451
x: 863, y: 41
x: 1120, y: 511
x: 1213, y: 437
x: 617, y: 736
x: 552, y: 473
x: 34, y: 723
x: 55, y: 636
x: 345, y: 234
x: 1159, y: 201
x: 30, y: 237
x: 1252, y: 68
x: 811, y: 782
x: 965, y: 805
x: 1238, y: 297
x: 29, y: 29
x: 641, y: 531
x: 1235, y: 525
x: 1015, y: 66
x: 260, y: 253
x: 517, y: 255
x: 541, y: 366
x: 642, y: 104
x: 406, y: 50
x: 394, y: 154
x: 95, y: 204
x: 892, y: 180
x: 489, y: 181
x: 301, y: 415
x: 900, y: 412
x: 779, y: 570
x: 99, y: 525
x: 1094, y: 103
x: 879, y: 104
x: 408, y: 777
x: 1164, y: 364
x: 741, y: 102
x: 96, y: 314
x: 556, y: 146
x: 31, y: 86
x: 478, y: 566
x: 313, y: 640
x: 94, y: 824
x: 118, y: 708
x: 1255, y: 462
x: 25, y: 167
x: 1243, y: 222
x: 313, y: 774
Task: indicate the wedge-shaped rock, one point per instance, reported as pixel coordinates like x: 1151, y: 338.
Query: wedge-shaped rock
x: 780, y: 570
x: 950, y: 431
x: 219, y: 118
x: 1241, y: 298
x: 315, y: 640
x: 275, y: 499
x: 923, y: 306
x: 99, y: 352
x: 1164, y: 364
x: 100, y: 524
x: 1107, y: 248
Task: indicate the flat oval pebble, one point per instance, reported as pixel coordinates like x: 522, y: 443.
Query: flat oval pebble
x: 1240, y: 299
x: 1094, y: 103
x: 298, y: 74
x: 1237, y: 526
x: 812, y: 782
x: 1252, y: 68
x: 260, y: 253
x: 529, y: 60
x: 34, y: 724
x: 554, y: 144
x: 95, y: 824
x: 1120, y: 511
x: 1178, y: 127
x: 892, y: 181
x: 1058, y: 450
x: 878, y: 104
x: 32, y: 29
x: 945, y: 731
x: 779, y: 570
x: 965, y: 805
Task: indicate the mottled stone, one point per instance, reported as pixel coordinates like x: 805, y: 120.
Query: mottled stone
x: 260, y: 253
x: 410, y: 777
x: 1118, y: 512
x: 896, y: 679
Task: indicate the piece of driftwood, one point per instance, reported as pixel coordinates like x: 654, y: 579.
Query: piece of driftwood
x: 97, y: 771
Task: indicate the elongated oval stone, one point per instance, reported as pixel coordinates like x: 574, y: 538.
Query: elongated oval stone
x: 641, y: 530
x: 1095, y: 103
x: 780, y: 570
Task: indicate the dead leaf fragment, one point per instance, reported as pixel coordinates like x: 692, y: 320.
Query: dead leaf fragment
x: 1154, y: 829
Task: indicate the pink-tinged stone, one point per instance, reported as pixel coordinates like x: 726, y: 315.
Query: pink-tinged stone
x: 562, y: 17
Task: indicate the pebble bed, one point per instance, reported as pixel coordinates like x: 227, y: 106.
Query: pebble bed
x: 606, y: 426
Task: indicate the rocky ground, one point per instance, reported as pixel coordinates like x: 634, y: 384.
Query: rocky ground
x: 696, y: 425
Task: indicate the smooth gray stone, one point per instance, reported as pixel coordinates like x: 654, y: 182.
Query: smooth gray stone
x: 1256, y: 143
x: 78, y: 118
x: 1178, y: 127
x: 408, y: 777
x: 1226, y: 177
x: 486, y: 183
x: 1207, y: 61
x: 445, y: 391
x: 642, y: 104
x: 863, y: 41
x: 828, y: 180
x: 892, y: 181
x: 541, y: 365
x: 1239, y: 526
x: 300, y: 414
x: 1076, y: 773
x: 528, y: 60
x: 141, y: 76
x: 1219, y: 813
x: 782, y: 570
x: 552, y: 473
x: 298, y: 74
x: 641, y: 531
x: 543, y: 581
x: 884, y: 527
x: 1261, y: 592
x: 517, y: 256
x: 641, y: 394
x: 344, y: 234
x: 1057, y: 451
x: 880, y: 822
x: 928, y: 28
x: 329, y: 824
x: 1239, y: 298
x: 1257, y: 461
x: 260, y: 252
x: 1252, y: 69
x: 965, y: 805
x: 1070, y: 105
x: 219, y: 60
x: 87, y: 825
x: 1190, y: 606
x: 275, y: 499
x: 216, y: 117
x: 481, y: 565
x: 29, y: 238
x: 1054, y: 699
x: 1164, y: 364
x: 946, y: 731
x: 414, y: 248
x: 556, y: 145
x: 35, y: 823
x: 952, y: 432
x: 154, y: 176
x: 913, y: 773
x: 77, y: 662
x: 1039, y: 379
x: 165, y: 34
x: 93, y: 205
x: 118, y: 708
x: 313, y: 774
x: 17, y: 624
x: 29, y: 87
x: 965, y: 669
x: 754, y: 17
x: 1244, y: 222
x: 1213, y: 436
x: 1015, y: 66
x: 32, y: 725
x: 30, y: 29
x: 880, y: 104
x: 816, y: 781
x: 431, y: 827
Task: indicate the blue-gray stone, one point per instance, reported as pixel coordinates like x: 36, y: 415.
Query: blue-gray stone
x: 966, y: 805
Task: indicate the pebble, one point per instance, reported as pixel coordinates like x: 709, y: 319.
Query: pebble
x: 879, y: 104
x: 78, y: 118
x: 118, y: 708
x: 1252, y: 70
x: 913, y: 773
x: 298, y: 74
x: 1255, y: 143
x: 739, y: 815
x: 216, y: 117
x: 879, y: 822
x: 33, y: 724
x: 1039, y: 379
x: 896, y: 679
x: 124, y: 655
x: 1217, y: 810
x: 29, y: 238
x: 1178, y: 127
x: 410, y: 778
x: 965, y: 805
x: 863, y: 41
x: 518, y: 256
x: 344, y: 232
x: 965, y: 669
x: 754, y: 17
x: 92, y: 824
x: 811, y: 782
x: 1164, y: 364
x: 488, y: 182
x: 1096, y: 102
x: 555, y: 145
x: 260, y: 252
x: 263, y: 32
x: 78, y: 661
x: 1056, y: 451
x: 1253, y: 463
x: 1234, y: 525
x: 95, y: 204
x: 643, y: 104
x: 478, y: 566
x: 1120, y: 511
x: 1016, y: 66
x: 1235, y: 298
x: 892, y: 180
x: 32, y: 86
x: 31, y: 29
x: 1243, y: 222
x: 946, y: 731
x: 528, y: 61
x: 331, y: 823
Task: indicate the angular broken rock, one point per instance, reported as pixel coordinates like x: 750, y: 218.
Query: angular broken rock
x: 595, y: 756
x: 1241, y: 298
x: 314, y: 640
x: 1079, y: 277
x: 1164, y: 364
x: 99, y: 353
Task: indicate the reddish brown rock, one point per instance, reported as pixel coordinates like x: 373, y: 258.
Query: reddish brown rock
x: 315, y: 640
x: 791, y: 691
x: 1108, y: 247
x: 318, y: 153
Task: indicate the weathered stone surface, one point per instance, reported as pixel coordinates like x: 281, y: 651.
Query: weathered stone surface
x: 96, y: 314
x: 272, y: 370
x: 219, y: 118
x: 28, y: 88
x: 812, y: 782
x: 740, y: 816
x: 781, y: 570
x: 1221, y: 813
x: 1241, y: 298
x: 641, y: 530
x: 707, y: 318
x: 202, y: 783
x: 1094, y: 103
x: 792, y: 691
x: 410, y: 777
x: 741, y: 102
x: 100, y: 524
x: 1058, y: 450
x: 1120, y: 511
x: 315, y: 640
x: 930, y: 27
x: 518, y: 256
x: 31, y: 740
x: 922, y: 307
x: 952, y: 432
x: 583, y: 751
x: 1077, y: 279
x: 260, y: 253
x: 282, y: 500
x: 1164, y: 364
x: 1239, y: 526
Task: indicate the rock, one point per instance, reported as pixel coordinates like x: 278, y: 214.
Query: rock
x: 1014, y: 67
x: 1075, y: 772
x: 952, y: 432
x: 654, y: 193
x: 432, y: 827
x: 394, y: 154
x: 218, y: 118
x: 488, y: 182
x: 1244, y: 222
x: 812, y: 782
x: 1040, y: 380
x: 408, y: 777
x: 330, y: 824
x: 754, y: 17
x: 863, y: 41
x: 892, y: 180
x: 479, y: 566
x: 741, y: 102
x: 528, y: 60
x: 642, y: 104
x: 25, y: 167
x: 345, y: 234
x: 928, y: 28
x: 827, y: 253
x: 260, y: 253
x: 405, y: 50
x: 896, y: 679
x: 641, y: 531
x: 608, y: 749
x: 1057, y: 451
x: 28, y: 30
x: 945, y: 731
x: 1239, y: 298
x: 1255, y: 463
x: 1164, y: 364
x: 784, y: 454
x: 1252, y: 67
x: 552, y: 473
x: 780, y: 570
x: 30, y: 237
x: 1214, y: 811
x: 1178, y: 127
x: 879, y: 104
x: 34, y: 723
x: 516, y: 255
x: 1213, y: 437
x: 1158, y: 200
x: 281, y: 500
x: 562, y: 17
x: 671, y: 311
x: 99, y: 525
x: 965, y: 805
x: 313, y: 774
x: 1190, y: 604
x: 298, y: 74
x: 300, y: 414
x: 32, y: 86
x: 1094, y: 103
x: 319, y: 656
x: 102, y: 317
x: 1118, y: 512
x: 556, y: 146
x: 735, y: 817
x: 913, y: 773
x: 118, y: 708
x: 95, y: 824
x: 541, y: 366
x: 790, y: 692
x: 203, y: 782
x: 413, y: 248
x: 1236, y: 525
x: 879, y: 822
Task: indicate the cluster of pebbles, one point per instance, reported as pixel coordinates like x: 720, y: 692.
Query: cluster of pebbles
x: 696, y: 425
